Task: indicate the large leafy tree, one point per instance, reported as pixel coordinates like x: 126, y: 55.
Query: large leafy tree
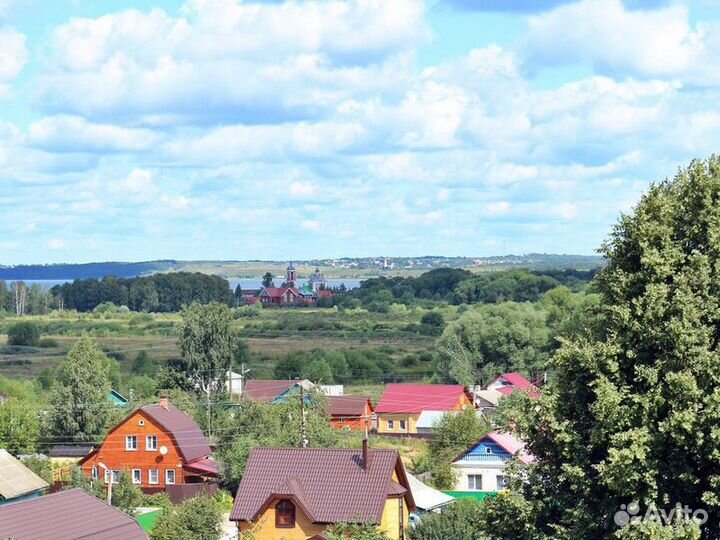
x: 492, y: 339
x: 19, y: 426
x: 634, y: 413
x: 78, y: 406
x: 207, y: 344
x: 198, y: 518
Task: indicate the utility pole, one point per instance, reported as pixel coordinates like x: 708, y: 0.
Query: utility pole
x: 303, y: 418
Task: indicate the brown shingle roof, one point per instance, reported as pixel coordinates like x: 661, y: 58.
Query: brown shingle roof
x: 266, y: 390
x: 348, y: 406
x: 330, y: 485
x: 189, y: 438
x: 67, y: 515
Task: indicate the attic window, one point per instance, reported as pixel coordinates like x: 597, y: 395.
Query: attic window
x: 285, y: 515
x: 488, y: 450
x: 141, y: 423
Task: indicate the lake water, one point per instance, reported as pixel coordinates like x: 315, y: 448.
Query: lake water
x: 245, y: 283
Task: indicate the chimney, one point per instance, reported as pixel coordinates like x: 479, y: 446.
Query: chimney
x: 165, y: 402
x: 365, y: 454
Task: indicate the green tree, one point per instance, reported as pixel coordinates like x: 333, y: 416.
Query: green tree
x: 267, y: 280
x: 460, y: 521
x: 318, y: 371
x: 78, y: 406
x: 633, y: 414
x: 125, y: 495
x: 493, y: 339
x: 198, y: 518
x: 207, y: 345
x: 19, y: 426
x: 24, y: 333
x: 354, y: 531
x: 453, y: 433
x: 144, y: 365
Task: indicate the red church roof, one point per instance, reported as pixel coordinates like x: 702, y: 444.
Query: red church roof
x: 415, y: 398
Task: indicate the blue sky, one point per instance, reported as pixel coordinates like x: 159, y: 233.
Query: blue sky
x: 239, y: 129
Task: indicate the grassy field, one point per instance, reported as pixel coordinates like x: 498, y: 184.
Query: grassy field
x: 271, y: 335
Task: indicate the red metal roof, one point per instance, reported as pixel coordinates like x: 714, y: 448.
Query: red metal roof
x: 189, y: 438
x: 67, y: 515
x: 203, y: 466
x: 348, y: 405
x: 330, y: 485
x: 517, y: 380
x: 266, y: 390
x: 415, y: 398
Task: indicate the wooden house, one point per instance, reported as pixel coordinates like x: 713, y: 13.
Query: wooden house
x: 481, y: 468
x: 351, y: 413
x: 295, y: 493
x: 507, y: 383
x: 158, y: 445
x: 274, y: 391
x: 67, y: 515
x: 17, y: 482
x: 400, y: 406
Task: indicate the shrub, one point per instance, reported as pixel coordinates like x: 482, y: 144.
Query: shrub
x: 24, y: 334
x: 48, y: 343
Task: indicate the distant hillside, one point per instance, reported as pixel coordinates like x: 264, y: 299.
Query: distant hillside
x: 346, y: 267
x: 85, y: 271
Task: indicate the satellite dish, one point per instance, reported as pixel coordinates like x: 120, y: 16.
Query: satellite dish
x: 163, y: 450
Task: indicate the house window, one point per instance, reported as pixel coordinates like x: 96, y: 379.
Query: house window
x: 137, y: 476
x: 115, y: 476
x: 285, y: 515
x: 94, y: 473
x: 391, y: 425
x: 151, y: 443
x: 131, y: 442
x: 474, y: 482
x: 502, y: 482
x: 169, y: 476
x: 402, y: 425
x: 141, y: 423
x: 488, y: 450
x: 153, y: 476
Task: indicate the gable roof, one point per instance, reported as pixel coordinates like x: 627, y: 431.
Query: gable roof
x: 67, y: 515
x: 265, y: 390
x: 16, y: 479
x: 415, y: 398
x: 329, y: 484
x: 516, y: 380
x: 277, y: 292
x: 348, y: 405
x: 508, y: 442
x: 189, y: 438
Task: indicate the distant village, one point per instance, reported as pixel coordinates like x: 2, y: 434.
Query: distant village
x: 291, y: 292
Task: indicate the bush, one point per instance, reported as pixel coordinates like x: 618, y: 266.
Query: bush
x: 198, y: 518
x: 25, y: 334
x: 48, y: 343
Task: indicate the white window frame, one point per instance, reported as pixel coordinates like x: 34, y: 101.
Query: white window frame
x: 131, y: 447
x: 141, y: 423
x: 94, y: 472
x: 472, y: 482
x: 501, y: 482
x: 167, y: 479
x: 391, y: 425
x: 139, y: 478
x: 148, y: 447
x: 150, y: 477
x: 488, y: 450
x: 115, y: 477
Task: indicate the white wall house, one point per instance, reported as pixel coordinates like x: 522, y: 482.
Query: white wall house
x: 482, y: 467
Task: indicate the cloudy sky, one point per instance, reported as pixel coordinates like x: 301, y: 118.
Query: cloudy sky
x: 237, y: 129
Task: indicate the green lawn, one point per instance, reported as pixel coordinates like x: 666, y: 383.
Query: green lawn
x: 147, y: 520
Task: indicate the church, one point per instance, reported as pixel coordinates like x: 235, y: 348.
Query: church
x: 291, y: 293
